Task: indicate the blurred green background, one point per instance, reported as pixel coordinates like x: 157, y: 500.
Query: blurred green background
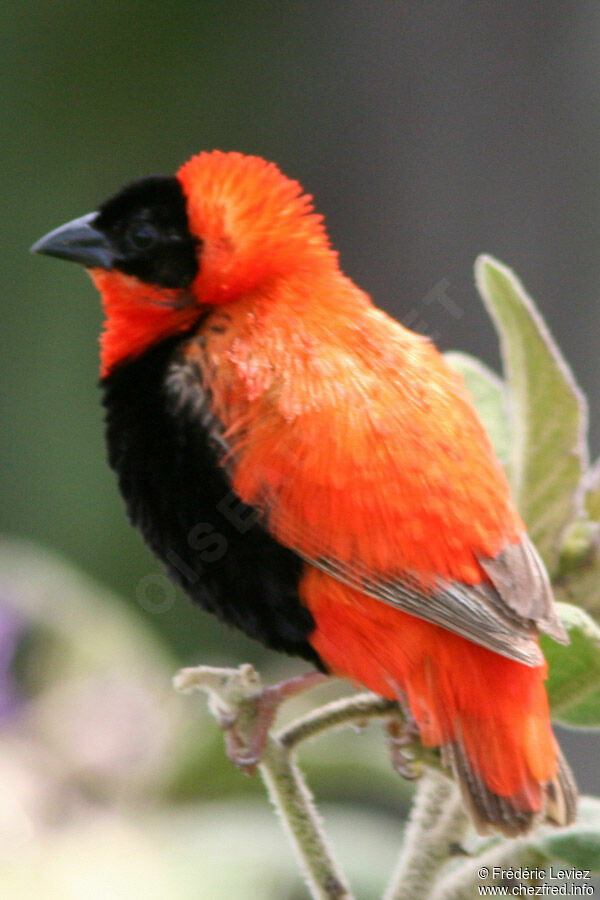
x: 427, y: 133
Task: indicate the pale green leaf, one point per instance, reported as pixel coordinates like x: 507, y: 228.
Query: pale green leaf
x: 574, y: 680
x: 489, y: 396
x: 581, y: 587
x: 579, y: 546
x: 578, y: 577
x: 548, y: 411
x: 592, y: 496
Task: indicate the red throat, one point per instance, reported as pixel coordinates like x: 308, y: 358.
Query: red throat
x: 138, y: 315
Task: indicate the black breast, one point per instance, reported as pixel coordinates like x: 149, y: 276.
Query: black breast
x: 181, y: 500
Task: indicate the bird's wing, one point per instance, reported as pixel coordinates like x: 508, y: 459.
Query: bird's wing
x: 483, y: 613
x: 390, y: 486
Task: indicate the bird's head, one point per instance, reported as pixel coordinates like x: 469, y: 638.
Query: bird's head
x: 164, y: 249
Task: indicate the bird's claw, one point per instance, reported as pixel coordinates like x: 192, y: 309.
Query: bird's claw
x: 401, y: 735
x: 247, y: 728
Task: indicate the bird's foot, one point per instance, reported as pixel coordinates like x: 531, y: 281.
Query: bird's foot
x: 247, y: 727
x: 402, y: 734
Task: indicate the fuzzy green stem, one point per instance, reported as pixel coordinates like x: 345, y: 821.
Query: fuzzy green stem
x: 233, y: 694
x: 293, y: 801
x: 463, y: 881
x: 437, y: 818
x: 437, y: 821
x: 360, y: 708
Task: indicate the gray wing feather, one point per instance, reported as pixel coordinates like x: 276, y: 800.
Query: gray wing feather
x: 476, y: 612
x: 522, y: 583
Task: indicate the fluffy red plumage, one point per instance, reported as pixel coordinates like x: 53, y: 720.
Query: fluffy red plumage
x: 362, y: 453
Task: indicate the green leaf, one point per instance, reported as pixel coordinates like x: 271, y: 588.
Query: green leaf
x: 579, y: 844
x: 574, y: 680
x: 579, y: 547
x: 549, y: 413
x: 592, y: 496
x: 489, y: 396
x: 578, y: 577
x: 581, y: 587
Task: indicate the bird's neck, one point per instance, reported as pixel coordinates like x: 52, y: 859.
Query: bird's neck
x: 138, y: 316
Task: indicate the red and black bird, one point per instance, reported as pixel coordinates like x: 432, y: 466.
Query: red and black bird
x: 253, y: 391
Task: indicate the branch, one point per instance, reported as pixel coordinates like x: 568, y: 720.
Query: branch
x: 347, y: 711
x: 294, y: 802
x: 438, y: 822
x: 232, y: 693
x: 479, y: 870
x: 234, y: 699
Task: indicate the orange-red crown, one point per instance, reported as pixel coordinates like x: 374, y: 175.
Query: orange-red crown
x: 254, y: 223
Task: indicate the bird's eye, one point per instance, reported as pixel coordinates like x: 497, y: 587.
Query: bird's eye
x: 142, y: 235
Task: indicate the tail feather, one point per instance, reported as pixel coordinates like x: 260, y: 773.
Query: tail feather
x: 561, y: 802
x: 488, y: 713
x: 513, y: 815
x: 494, y: 726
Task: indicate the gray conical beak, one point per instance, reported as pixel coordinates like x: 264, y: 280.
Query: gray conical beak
x: 79, y: 242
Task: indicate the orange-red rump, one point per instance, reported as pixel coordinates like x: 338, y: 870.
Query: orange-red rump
x: 457, y: 691
x: 251, y: 388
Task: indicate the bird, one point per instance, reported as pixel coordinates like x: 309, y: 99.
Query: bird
x: 314, y: 473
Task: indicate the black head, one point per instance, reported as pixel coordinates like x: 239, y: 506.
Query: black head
x: 142, y: 231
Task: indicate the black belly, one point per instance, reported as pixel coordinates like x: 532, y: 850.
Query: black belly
x: 180, y: 498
